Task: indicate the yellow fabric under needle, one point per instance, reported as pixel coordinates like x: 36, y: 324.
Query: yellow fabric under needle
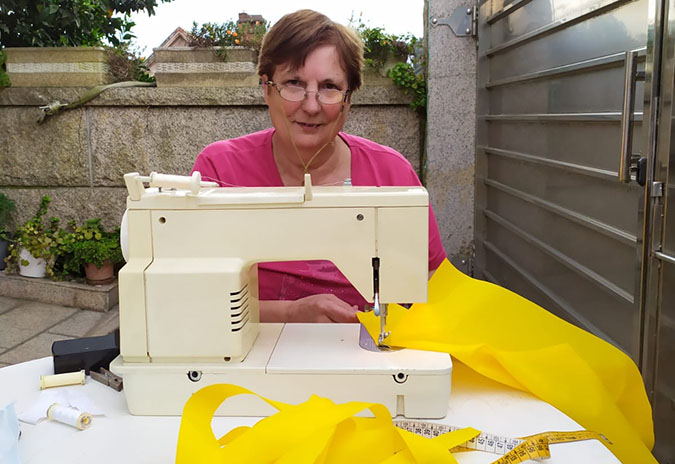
x: 507, y: 338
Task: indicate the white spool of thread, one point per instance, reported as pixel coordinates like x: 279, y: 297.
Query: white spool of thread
x: 71, y: 416
x: 192, y: 183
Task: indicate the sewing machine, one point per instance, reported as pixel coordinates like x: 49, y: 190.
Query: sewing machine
x: 189, y: 295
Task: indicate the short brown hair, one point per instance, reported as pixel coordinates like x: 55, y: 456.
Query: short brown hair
x: 297, y: 34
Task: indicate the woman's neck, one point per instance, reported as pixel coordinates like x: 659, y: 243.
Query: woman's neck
x: 330, y: 166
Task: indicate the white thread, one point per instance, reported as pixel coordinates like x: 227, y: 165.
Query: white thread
x: 71, y: 416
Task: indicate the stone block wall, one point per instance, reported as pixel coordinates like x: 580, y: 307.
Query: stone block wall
x: 79, y: 157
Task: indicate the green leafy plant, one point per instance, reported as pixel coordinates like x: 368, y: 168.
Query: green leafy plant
x: 7, y: 207
x: 126, y: 64
x: 382, y: 49
x: 54, y: 23
x: 401, y: 58
x: 414, y: 85
x: 39, y: 239
x: 4, y: 78
x: 227, y: 34
x: 90, y: 244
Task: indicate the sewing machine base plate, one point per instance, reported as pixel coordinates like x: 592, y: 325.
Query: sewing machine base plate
x: 291, y: 362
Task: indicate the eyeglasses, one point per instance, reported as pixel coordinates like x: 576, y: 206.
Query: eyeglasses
x: 295, y: 93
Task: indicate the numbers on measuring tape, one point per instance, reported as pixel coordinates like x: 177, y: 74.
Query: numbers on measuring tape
x: 483, y: 442
x: 514, y: 450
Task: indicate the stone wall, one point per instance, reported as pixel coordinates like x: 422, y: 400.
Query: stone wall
x: 79, y: 157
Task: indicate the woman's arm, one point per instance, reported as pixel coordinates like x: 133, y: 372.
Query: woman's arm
x: 324, y: 307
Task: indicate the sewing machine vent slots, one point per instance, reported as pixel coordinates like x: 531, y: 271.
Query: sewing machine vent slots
x: 239, y: 308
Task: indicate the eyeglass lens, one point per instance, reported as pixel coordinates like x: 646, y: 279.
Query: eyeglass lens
x: 296, y: 94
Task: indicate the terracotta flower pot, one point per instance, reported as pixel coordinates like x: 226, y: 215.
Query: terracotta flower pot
x: 99, y: 275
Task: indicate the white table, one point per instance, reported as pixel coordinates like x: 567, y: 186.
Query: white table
x: 119, y: 437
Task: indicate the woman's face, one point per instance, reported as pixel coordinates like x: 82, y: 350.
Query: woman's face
x: 311, y: 124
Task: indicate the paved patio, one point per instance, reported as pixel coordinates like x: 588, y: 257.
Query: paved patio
x: 28, y: 328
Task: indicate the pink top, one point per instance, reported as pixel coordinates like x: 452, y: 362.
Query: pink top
x: 248, y: 162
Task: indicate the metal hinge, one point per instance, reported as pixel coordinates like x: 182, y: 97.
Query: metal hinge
x: 463, y: 21
x: 657, y: 190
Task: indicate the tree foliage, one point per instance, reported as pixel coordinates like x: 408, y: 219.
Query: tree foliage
x: 228, y: 34
x: 54, y: 23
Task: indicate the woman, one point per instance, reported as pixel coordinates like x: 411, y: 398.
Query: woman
x: 309, y: 67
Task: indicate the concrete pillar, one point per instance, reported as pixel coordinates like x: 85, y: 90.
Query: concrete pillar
x: 450, y: 139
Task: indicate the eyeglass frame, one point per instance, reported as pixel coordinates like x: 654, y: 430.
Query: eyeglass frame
x: 278, y: 88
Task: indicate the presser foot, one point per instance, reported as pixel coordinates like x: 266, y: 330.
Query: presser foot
x: 367, y: 343
x: 380, y: 340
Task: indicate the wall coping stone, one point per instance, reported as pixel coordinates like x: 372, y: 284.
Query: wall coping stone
x: 176, y: 96
x: 205, y: 55
x: 55, y: 54
x: 72, y: 294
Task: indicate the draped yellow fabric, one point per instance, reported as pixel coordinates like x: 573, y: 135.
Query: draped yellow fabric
x: 316, y: 431
x: 509, y: 339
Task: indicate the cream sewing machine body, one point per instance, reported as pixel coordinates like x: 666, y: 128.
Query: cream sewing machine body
x: 189, y: 303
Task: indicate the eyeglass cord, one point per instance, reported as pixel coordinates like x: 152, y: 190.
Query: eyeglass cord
x: 330, y: 140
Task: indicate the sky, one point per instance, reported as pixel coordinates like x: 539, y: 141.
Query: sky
x: 394, y: 17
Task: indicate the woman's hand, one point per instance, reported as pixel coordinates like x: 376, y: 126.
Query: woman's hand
x: 324, y: 307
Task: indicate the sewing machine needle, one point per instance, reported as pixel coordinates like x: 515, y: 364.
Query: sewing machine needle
x: 383, y: 326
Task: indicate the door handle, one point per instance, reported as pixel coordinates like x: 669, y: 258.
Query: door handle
x: 631, y: 76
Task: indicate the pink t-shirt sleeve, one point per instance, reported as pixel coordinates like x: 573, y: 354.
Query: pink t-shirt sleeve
x: 205, y: 167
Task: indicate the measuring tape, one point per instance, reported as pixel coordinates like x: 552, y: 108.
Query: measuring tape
x: 514, y: 450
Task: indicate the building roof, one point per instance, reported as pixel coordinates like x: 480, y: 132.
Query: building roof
x: 178, y: 38
x: 245, y: 17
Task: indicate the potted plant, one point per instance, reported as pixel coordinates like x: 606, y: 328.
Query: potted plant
x: 60, y: 44
x: 7, y: 207
x: 33, y: 250
x: 95, y: 250
x: 217, y: 55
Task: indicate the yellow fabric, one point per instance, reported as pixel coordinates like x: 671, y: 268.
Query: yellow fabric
x: 513, y: 341
x: 316, y: 431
